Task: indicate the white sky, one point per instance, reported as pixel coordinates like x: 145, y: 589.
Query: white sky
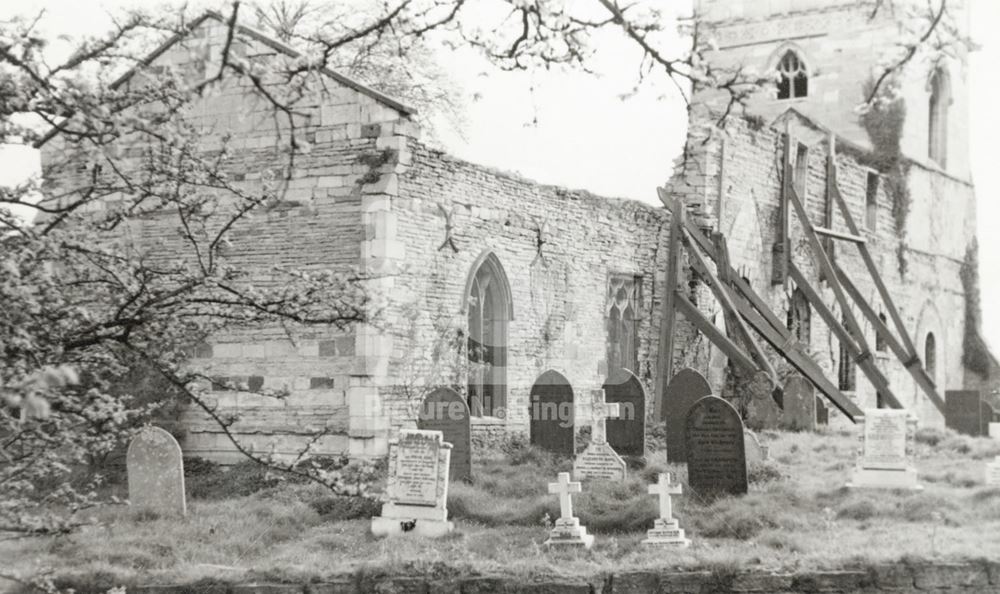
x: 586, y: 136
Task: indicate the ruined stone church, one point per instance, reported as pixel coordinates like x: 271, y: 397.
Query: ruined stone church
x: 491, y: 281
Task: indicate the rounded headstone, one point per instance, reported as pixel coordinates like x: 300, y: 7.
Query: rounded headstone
x: 551, y: 412
x: 716, y: 453
x: 156, y: 472
x: 685, y: 388
x: 446, y: 411
x: 799, y: 412
x: 627, y: 433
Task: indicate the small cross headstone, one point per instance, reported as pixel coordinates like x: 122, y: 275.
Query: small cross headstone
x: 567, y: 530
x: 666, y: 531
x: 886, y: 453
x: 684, y: 389
x: 156, y: 472
x: 417, y: 487
x: 993, y: 473
x: 716, y: 452
x: 599, y: 460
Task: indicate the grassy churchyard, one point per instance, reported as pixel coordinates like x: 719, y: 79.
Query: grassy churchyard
x: 244, y: 525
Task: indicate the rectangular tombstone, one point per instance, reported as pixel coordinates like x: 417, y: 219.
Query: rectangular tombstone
x: 716, y: 454
x: 885, y: 455
x: 963, y: 410
x: 993, y: 473
x: 156, y: 472
x: 417, y: 487
x: 995, y: 430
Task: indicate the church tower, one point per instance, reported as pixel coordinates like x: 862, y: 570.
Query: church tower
x: 825, y: 55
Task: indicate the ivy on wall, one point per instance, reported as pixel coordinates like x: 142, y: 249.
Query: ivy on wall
x: 975, y: 356
x: 883, y: 120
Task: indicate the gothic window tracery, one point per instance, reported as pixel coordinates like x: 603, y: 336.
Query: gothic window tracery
x: 793, y: 79
x: 623, y: 322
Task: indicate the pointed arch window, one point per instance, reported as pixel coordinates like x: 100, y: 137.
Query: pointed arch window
x: 799, y: 315
x: 793, y: 79
x: 930, y: 355
x: 937, y: 133
x: 489, y: 311
x: 623, y: 323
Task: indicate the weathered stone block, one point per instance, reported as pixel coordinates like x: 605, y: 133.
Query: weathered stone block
x: 948, y: 576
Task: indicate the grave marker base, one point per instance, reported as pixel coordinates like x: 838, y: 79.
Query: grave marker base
x: 394, y: 526
x: 569, y: 532
x: 667, y: 534
x: 877, y: 478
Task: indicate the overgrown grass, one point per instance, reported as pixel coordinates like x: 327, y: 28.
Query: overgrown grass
x: 798, y: 514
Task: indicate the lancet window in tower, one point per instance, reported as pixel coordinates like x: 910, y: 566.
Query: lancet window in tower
x: 793, y: 80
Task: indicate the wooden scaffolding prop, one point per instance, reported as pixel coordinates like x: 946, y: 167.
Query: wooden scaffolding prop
x: 744, y: 309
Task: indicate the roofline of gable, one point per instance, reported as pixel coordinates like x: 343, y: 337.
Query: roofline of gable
x: 258, y: 36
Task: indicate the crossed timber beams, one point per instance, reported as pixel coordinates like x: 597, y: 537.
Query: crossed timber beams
x: 744, y: 309
x: 745, y: 305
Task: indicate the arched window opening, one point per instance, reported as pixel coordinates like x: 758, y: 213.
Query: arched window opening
x: 937, y: 133
x: 930, y: 355
x: 623, y: 323
x: 846, y: 371
x: 799, y: 315
x: 793, y: 80
x: 880, y: 345
x: 488, y: 314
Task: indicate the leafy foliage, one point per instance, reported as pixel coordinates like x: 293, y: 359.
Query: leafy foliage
x: 975, y: 354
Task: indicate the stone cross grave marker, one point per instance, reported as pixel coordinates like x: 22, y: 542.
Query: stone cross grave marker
x: 567, y: 530
x: 799, y: 405
x: 716, y: 452
x: 417, y: 487
x: 885, y: 455
x: 993, y: 473
x: 684, y: 389
x: 599, y: 460
x: 155, y: 469
x: 446, y: 411
x: 627, y: 432
x: 666, y: 531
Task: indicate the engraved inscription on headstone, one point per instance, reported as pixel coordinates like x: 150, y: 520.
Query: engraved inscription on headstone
x: 417, y: 486
x: 416, y: 471
x: 885, y: 440
x: 156, y: 472
x: 599, y: 460
x: 684, y: 389
x: 715, y: 450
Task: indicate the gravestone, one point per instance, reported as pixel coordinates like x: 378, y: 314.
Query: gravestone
x: 993, y: 473
x: 599, y: 460
x: 627, y: 433
x: 755, y: 452
x: 156, y: 472
x: 666, y: 531
x: 885, y: 455
x: 567, y: 530
x: 551, y: 424
x: 963, y: 411
x: 716, y: 454
x: 685, y: 388
x: 417, y: 487
x: 995, y: 430
x: 763, y: 411
x: 446, y: 411
x: 799, y: 411
x: 822, y: 412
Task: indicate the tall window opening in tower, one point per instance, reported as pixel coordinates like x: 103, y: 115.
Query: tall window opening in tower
x: 793, y: 80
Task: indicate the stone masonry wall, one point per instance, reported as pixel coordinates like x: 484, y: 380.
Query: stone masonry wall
x: 929, y: 295
x: 318, y: 224
x: 558, y: 249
